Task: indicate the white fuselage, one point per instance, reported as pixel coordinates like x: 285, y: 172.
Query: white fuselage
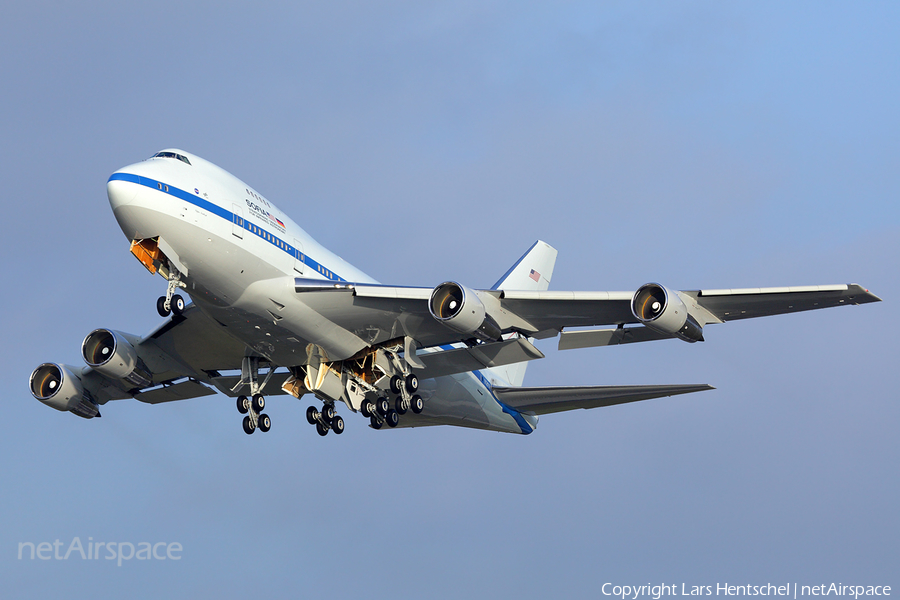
x: 239, y: 255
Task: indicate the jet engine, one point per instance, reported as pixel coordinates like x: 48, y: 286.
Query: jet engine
x: 58, y: 387
x: 665, y: 311
x: 460, y: 309
x: 110, y: 354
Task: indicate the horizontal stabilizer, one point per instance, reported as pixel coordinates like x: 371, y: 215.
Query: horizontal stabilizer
x: 545, y: 400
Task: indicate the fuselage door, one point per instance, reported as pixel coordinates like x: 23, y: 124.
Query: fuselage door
x: 237, y: 218
x: 299, y: 257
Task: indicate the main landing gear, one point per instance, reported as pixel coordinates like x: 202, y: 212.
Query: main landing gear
x: 256, y: 418
x: 325, y: 420
x: 381, y: 412
x: 378, y: 383
x: 253, y: 405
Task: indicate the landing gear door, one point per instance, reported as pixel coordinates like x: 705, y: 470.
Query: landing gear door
x: 299, y: 257
x: 237, y: 219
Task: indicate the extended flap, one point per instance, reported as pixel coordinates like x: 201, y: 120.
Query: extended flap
x: 462, y: 360
x: 179, y: 391
x: 571, y: 340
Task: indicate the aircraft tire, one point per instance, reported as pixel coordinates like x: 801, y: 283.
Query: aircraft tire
x: 392, y: 417
x: 383, y: 406
x: 248, y: 426
x: 396, y: 382
x: 161, y: 307
x: 328, y: 412
x: 259, y: 403
x: 376, y: 424
x: 321, y: 430
x: 412, y: 383
x: 400, y: 405
x: 265, y: 423
x: 337, y: 425
x: 311, y: 413
x: 177, y: 304
x: 243, y: 405
x: 417, y: 404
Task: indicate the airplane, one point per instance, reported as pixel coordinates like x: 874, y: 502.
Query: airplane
x: 274, y: 312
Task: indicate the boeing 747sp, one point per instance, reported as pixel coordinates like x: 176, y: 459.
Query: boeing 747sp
x: 274, y: 312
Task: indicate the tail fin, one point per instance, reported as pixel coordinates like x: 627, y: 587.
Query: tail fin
x: 531, y: 272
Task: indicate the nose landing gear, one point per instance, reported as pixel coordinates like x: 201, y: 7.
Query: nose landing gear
x: 171, y: 302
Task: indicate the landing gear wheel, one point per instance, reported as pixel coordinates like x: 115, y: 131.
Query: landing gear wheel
x: 321, y: 429
x: 392, y: 417
x: 412, y: 383
x: 259, y: 403
x: 337, y: 425
x: 376, y: 424
x: 383, y: 406
x: 243, y: 405
x: 177, y: 304
x: 161, y: 307
x: 248, y: 426
x: 417, y: 404
x: 265, y: 423
x: 311, y: 415
x: 401, y: 405
x: 328, y: 412
x: 367, y: 408
x: 396, y: 382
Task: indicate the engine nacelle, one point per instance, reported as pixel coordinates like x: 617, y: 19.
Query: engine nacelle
x: 460, y: 309
x: 58, y: 387
x: 110, y: 354
x: 665, y: 311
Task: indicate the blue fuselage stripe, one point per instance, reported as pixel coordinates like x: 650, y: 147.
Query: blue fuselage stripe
x: 229, y: 216
x: 520, y: 420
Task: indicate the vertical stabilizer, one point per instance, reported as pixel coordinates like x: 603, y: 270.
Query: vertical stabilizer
x: 531, y: 272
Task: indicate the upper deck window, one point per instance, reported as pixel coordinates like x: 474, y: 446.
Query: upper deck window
x: 171, y: 155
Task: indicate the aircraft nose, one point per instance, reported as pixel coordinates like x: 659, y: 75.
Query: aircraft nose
x: 121, y: 189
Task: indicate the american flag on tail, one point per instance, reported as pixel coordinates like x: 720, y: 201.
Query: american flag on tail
x: 535, y: 275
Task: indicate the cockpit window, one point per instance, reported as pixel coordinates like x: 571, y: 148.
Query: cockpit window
x: 171, y: 155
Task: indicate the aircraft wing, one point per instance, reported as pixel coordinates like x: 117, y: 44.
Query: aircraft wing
x: 181, y: 353
x: 378, y: 313
x: 546, y: 400
x: 190, y: 345
x: 194, y: 346
x: 729, y: 305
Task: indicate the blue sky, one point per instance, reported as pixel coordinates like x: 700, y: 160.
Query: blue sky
x: 697, y: 144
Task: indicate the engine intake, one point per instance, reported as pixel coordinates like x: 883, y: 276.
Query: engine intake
x: 665, y: 311
x: 110, y: 354
x: 460, y: 309
x: 58, y: 387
